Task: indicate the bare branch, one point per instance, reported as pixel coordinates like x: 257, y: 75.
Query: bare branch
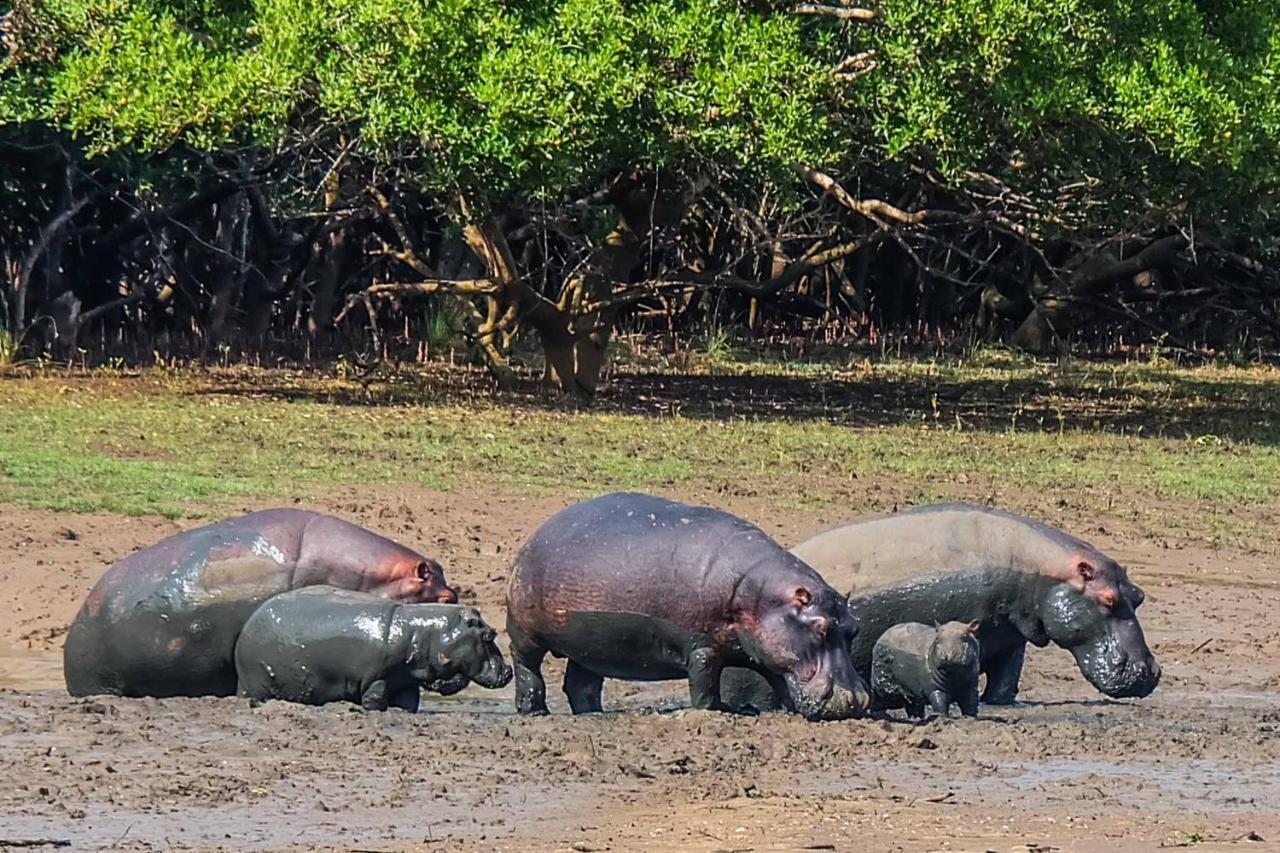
x: 844, y: 13
x: 855, y: 66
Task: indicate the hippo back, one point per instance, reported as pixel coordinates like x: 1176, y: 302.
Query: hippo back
x: 164, y: 620
x: 874, y: 553
x: 633, y: 553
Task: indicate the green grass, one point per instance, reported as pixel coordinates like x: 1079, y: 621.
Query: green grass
x: 161, y: 443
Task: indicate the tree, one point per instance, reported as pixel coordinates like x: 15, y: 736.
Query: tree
x: 551, y: 165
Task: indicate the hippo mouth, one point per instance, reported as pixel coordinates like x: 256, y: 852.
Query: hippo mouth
x: 1110, y: 669
x: 835, y: 702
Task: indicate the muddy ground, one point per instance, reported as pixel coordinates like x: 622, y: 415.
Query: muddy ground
x: 1197, y: 764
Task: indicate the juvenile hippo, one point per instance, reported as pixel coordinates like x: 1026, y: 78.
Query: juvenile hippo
x: 319, y: 644
x: 1022, y: 581
x: 637, y: 587
x: 914, y: 666
x: 164, y: 620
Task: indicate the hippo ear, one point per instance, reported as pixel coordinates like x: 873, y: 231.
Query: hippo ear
x: 973, y: 627
x: 803, y: 597
x: 424, y: 570
x: 1081, y: 573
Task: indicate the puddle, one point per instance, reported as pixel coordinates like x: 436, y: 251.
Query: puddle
x: 28, y: 669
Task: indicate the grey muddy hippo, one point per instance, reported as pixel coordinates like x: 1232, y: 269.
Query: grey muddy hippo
x: 164, y: 620
x: 637, y: 587
x: 917, y: 666
x: 1022, y: 581
x: 319, y: 644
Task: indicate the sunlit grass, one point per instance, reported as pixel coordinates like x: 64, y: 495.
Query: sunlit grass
x: 162, y: 443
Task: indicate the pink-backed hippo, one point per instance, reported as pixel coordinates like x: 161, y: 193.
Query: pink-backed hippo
x: 1021, y: 580
x: 164, y: 620
x: 637, y: 587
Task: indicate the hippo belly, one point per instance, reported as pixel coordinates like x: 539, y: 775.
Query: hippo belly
x: 631, y: 646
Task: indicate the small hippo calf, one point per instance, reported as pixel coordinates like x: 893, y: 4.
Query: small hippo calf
x: 913, y: 665
x: 320, y: 644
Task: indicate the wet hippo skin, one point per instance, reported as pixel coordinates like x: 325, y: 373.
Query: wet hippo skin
x: 917, y: 666
x: 1022, y: 582
x: 319, y: 644
x: 637, y: 587
x: 164, y: 620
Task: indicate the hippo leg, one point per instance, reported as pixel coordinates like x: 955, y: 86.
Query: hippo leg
x: 915, y: 710
x: 583, y: 688
x: 407, y: 698
x: 704, y: 680
x: 1003, y: 673
x: 375, y: 696
x: 969, y: 702
x: 940, y: 702
x: 526, y: 658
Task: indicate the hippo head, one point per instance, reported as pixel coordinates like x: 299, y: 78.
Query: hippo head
x: 1093, y: 614
x: 434, y: 587
x: 445, y: 661
x: 954, y: 650
x: 801, y: 636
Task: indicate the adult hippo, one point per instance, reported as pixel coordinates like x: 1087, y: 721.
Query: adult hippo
x: 164, y: 620
x: 1021, y: 580
x: 637, y: 587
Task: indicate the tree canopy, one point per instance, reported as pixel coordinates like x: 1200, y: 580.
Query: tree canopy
x: 1049, y: 120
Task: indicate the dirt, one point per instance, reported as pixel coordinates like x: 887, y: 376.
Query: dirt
x: 1196, y: 764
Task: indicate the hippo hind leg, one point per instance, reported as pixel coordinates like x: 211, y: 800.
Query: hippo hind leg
x: 526, y: 659
x: 1003, y: 674
x: 583, y: 687
x: 407, y: 698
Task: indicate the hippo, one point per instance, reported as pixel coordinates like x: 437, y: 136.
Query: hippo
x: 915, y: 665
x: 1021, y: 580
x: 319, y: 644
x: 164, y: 620
x: 636, y: 587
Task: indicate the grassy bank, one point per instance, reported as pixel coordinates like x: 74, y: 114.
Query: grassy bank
x: 1192, y: 450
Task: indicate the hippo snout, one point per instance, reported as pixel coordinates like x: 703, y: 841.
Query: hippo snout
x: 1140, y: 679
x: 495, y: 674
x: 833, y: 700
x: 1116, y: 672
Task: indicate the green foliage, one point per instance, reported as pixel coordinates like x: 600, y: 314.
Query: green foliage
x: 1177, y: 95
x: 526, y: 99
x: 1177, y: 100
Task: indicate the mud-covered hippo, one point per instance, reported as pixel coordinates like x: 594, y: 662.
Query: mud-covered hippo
x: 637, y: 587
x: 164, y: 620
x: 318, y: 644
x: 915, y: 666
x: 1021, y: 580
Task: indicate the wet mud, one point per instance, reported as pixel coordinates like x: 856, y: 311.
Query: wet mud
x: 1197, y: 763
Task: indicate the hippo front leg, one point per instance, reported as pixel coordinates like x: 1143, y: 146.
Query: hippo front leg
x: 1003, y: 673
x: 375, y: 697
x: 968, y: 702
x: 940, y: 703
x: 705, y: 668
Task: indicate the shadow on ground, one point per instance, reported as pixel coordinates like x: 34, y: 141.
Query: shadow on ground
x: 1172, y: 404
